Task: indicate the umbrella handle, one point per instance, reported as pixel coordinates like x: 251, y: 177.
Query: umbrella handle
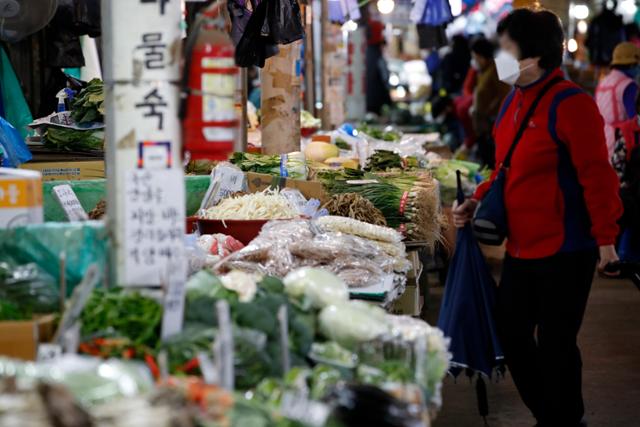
x: 460, y: 194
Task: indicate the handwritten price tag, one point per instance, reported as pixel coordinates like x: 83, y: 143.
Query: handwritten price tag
x: 70, y: 203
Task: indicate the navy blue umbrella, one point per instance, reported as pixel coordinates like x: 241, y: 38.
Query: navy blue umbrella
x: 466, y: 314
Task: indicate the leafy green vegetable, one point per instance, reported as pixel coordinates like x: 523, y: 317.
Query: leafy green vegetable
x: 342, y: 144
x: 119, y: 313
x: 333, y: 354
x: 383, y: 160
x: 262, y: 163
x: 11, y: 311
x: 388, y: 135
x: 88, y: 106
x: 66, y: 139
x: 251, y: 363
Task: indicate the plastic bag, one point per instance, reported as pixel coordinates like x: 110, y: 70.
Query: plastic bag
x: 87, y: 17
x: 319, y: 286
x: 29, y: 288
x: 16, y: 109
x: 84, y: 244
x: 13, y: 150
x: 255, y: 46
x: 285, y: 22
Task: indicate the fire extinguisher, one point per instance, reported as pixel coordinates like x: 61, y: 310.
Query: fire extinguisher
x: 209, y: 116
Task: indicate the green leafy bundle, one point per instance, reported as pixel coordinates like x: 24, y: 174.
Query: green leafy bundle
x: 121, y: 314
x: 66, y: 139
x: 383, y: 160
x: 88, y: 106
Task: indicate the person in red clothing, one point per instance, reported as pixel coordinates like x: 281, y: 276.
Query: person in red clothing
x: 562, y: 204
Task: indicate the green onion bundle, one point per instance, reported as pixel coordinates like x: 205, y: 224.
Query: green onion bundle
x: 410, y: 203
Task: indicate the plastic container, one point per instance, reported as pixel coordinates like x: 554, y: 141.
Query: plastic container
x: 308, y: 132
x: 243, y: 230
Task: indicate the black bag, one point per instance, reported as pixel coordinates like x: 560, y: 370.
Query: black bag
x: 240, y: 16
x: 490, y: 221
x: 285, y: 21
x: 254, y: 46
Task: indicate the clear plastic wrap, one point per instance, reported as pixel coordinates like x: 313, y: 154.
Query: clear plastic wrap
x: 283, y: 246
x: 30, y: 288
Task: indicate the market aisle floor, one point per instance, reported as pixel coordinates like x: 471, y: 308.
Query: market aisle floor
x: 610, y: 342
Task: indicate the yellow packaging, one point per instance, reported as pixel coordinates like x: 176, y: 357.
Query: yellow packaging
x: 20, y: 197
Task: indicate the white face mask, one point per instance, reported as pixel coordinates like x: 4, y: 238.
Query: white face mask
x: 508, y: 67
x: 474, y: 65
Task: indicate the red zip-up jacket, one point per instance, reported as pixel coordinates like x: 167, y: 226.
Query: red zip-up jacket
x: 561, y: 193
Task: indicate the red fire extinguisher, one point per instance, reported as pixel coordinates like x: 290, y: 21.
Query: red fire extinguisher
x: 209, y: 116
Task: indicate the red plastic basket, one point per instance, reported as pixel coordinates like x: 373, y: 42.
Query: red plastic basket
x: 243, y: 230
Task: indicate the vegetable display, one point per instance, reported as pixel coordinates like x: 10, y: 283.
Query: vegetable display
x: 294, y: 164
x: 121, y: 314
x: 268, y: 204
x: 410, y: 203
x: 67, y: 139
x: 384, y: 135
x: 353, y: 205
x: 383, y: 160
x: 284, y: 246
x: 359, y: 228
x: 308, y: 121
x: 89, y: 106
x: 320, y: 151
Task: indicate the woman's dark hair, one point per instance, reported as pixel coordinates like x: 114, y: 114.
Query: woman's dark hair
x: 537, y: 34
x: 483, y: 47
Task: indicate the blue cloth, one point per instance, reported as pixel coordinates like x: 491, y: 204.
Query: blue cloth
x: 467, y: 312
x: 630, y: 98
x: 436, y: 12
x: 629, y: 246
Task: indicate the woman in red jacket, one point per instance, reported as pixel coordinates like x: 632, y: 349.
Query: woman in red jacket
x: 562, y: 204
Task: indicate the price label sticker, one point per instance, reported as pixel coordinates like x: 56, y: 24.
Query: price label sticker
x: 48, y: 352
x: 70, y: 203
x: 173, y: 313
x: 226, y: 179
x: 295, y: 199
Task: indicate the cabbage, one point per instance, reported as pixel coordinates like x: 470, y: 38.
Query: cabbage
x: 319, y: 287
x: 353, y: 322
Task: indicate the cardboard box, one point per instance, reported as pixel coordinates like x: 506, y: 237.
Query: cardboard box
x: 309, y: 189
x: 20, y: 198
x: 68, y: 171
x: 20, y: 339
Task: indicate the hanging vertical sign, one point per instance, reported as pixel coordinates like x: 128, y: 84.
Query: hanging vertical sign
x: 142, y: 42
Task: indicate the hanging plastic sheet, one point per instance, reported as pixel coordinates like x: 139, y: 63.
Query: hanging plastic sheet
x: 271, y: 23
x: 285, y: 21
x: 240, y: 15
x: 254, y: 47
x: 16, y: 109
x: 87, y: 17
x: 82, y: 243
